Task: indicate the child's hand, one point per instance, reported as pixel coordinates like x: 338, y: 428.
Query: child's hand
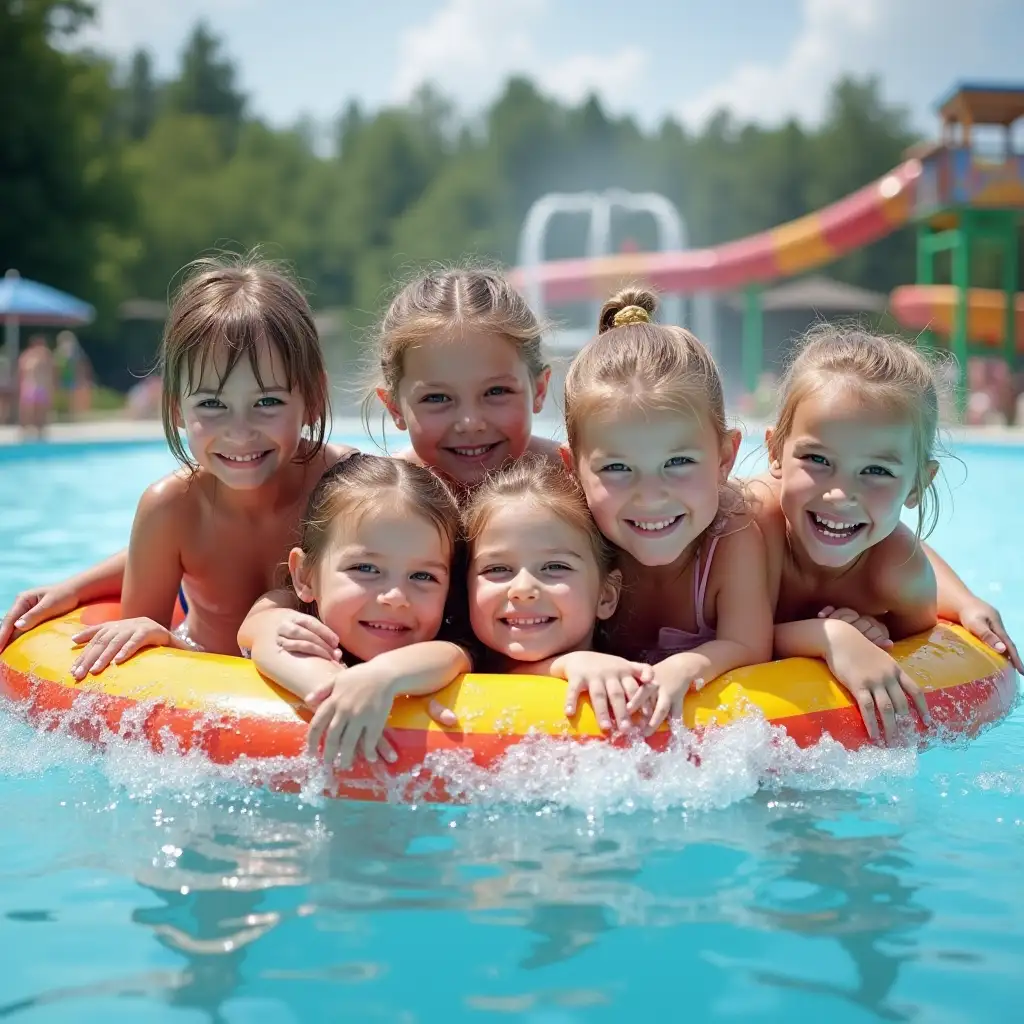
x: 116, y: 642
x: 34, y: 606
x: 609, y: 681
x: 299, y: 633
x: 877, y: 684
x: 979, y: 618
x: 666, y: 691
x: 875, y: 631
x: 350, y: 715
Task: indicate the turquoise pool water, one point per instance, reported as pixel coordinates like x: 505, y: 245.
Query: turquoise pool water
x: 762, y: 886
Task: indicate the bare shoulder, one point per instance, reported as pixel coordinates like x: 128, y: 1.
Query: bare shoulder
x: 409, y: 455
x: 547, y: 448
x: 332, y: 454
x: 171, y: 506
x: 899, y: 568
x: 741, y: 544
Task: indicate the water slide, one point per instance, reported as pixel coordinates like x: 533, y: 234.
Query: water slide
x: 862, y: 217
x: 933, y: 307
x: 859, y: 219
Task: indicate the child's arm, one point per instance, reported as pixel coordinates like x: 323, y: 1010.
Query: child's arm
x: 352, y: 704
x: 151, y: 581
x: 611, y: 682
x: 743, y: 630
x: 905, y: 583
x: 277, y: 615
x: 957, y: 604
x: 31, y: 607
x: 875, y: 681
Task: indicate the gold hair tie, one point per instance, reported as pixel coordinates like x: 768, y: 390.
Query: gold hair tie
x: 631, y: 315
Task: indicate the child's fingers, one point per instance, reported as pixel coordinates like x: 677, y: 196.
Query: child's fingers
x: 617, y: 700
x: 440, y: 714
x: 310, y: 648
x: 298, y: 629
x: 572, y: 695
x: 386, y: 750
x: 887, y: 712
x: 917, y: 695
x: 317, y: 727
x: 599, y: 702
x: 660, y: 713
x: 83, y: 636
x: 318, y: 696
x: 136, y: 641
x: 642, y: 671
x: 644, y: 694
x: 349, y: 733
x: 894, y: 688
x: 866, y: 702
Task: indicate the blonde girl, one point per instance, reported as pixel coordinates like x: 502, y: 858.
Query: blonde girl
x: 243, y: 379
x: 648, y: 440
x: 373, y: 565
x: 853, y: 446
x: 542, y: 581
x: 461, y: 369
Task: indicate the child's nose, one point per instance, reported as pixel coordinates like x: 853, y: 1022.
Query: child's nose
x: 394, y: 597
x: 523, y: 587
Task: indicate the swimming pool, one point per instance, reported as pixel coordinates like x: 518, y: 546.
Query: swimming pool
x: 879, y: 886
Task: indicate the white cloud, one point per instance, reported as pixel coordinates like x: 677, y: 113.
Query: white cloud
x: 468, y: 49
x: 834, y: 34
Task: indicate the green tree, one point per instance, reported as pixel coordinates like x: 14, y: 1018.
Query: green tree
x: 140, y: 97
x: 64, y: 199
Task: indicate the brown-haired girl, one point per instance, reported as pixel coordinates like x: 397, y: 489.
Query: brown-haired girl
x: 853, y: 445
x: 461, y: 369
x: 541, y: 580
x: 373, y: 564
x: 649, y: 442
x: 244, y: 380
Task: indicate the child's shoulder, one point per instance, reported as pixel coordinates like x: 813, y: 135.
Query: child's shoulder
x: 741, y: 539
x: 331, y: 454
x: 549, y: 450
x: 898, y: 565
x: 172, y: 500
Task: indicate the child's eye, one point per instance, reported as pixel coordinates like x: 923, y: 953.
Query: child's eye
x: 424, y: 577
x: 680, y: 460
x: 495, y: 570
x: 435, y: 399
x: 498, y: 389
x: 877, y: 471
x: 365, y: 567
x: 211, y: 403
x: 615, y: 467
x: 817, y: 460
x: 268, y: 402
x: 557, y: 567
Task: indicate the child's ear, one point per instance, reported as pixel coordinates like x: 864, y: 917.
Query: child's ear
x: 774, y: 465
x: 608, y: 599
x: 540, y: 389
x: 300, y: 572
x: 915, y: 496
x: 393, y: 408
x: 727, y: 453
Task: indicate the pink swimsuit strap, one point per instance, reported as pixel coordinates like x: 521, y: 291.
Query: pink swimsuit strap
x: 700, y: 584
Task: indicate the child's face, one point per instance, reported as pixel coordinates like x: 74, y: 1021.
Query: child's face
x: 535, y: 590
x: 382, y: 582
x: 237, y: 430
x: 846, y: 470
x: 468, y: 403
x: 652, y: 479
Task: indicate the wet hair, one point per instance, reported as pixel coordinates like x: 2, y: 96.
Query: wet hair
x: 442, y: 302
x: 886, y: 372
x: 544, y: 485
x: 649, y: 366
x: 238, y: 302
x: 363, y: 484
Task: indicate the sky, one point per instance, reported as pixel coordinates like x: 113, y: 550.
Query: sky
x: 765, y: 59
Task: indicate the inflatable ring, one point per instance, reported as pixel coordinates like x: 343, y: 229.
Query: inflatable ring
x: 225, y: 708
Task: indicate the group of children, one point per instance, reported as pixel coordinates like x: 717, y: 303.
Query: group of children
x: 628, y: 562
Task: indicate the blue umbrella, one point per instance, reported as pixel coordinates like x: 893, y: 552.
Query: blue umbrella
x: 31, y: 303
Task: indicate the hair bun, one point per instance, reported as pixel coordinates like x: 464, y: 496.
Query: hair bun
x: 629, y: 306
